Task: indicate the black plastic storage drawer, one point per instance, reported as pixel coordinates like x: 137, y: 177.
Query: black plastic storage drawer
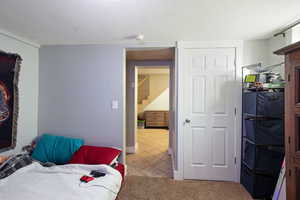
x: 259, y: 186
x: 267, y: 104
x: 264, y: 132
x: 263, y: 159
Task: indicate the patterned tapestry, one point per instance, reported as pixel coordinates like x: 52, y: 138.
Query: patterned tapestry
x: 9, y: 74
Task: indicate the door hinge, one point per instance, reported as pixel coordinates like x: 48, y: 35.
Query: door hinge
x: 235, y: 160
x: 235, y: 110
x: 289, y: 77
x: 289, y: 140
x: 290, y: 172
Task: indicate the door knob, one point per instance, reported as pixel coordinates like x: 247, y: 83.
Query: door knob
x: 187, y: 120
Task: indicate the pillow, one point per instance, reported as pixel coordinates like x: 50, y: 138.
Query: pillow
x: 121, y: 168
x: 56, y: 149
x: 92, y: 155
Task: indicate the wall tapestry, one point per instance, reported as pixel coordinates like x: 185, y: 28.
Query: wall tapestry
x: 9, y: 75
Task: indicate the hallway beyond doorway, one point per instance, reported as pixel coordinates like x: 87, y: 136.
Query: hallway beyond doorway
x: 152, y: 158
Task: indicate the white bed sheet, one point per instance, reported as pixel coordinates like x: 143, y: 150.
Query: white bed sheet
x: 35, y: 182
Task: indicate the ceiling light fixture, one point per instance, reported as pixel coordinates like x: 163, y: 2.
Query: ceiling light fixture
x: 140, y: 37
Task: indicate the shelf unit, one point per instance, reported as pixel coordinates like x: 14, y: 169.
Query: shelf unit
x: 262, y: 139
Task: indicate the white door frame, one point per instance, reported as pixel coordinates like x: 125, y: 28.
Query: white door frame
x: 134, y: 47
x: 238, y: 45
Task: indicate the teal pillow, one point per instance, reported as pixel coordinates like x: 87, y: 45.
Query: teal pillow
x: 56, y: 149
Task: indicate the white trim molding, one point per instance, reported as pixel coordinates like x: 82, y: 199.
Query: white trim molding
x: 125, y: 170
x: 132, y: 149
x: 210, y: 44
x: 176, y: 174
x: 20, y: 39
x: 123, y: 159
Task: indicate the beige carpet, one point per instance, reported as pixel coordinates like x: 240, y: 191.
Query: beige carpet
x: 152, y: 157
x: 152, y: 188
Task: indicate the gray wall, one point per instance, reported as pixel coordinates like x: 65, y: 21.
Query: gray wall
x: 256, y: 51
x: 77, y: 84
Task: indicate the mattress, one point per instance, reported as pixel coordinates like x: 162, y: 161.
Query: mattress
x: 36, y: 182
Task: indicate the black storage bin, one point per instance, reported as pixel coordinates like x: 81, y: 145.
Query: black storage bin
x: 258, y: 185
x: 263, y: 159
x: 264, y: 132
x: 267, y: 104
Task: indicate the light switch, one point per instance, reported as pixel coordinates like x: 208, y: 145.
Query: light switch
x: 115, y: 104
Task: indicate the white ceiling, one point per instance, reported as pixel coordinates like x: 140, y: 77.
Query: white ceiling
x: 115, y: 21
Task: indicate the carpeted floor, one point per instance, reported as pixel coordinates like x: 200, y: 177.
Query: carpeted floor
x: 153, y: 188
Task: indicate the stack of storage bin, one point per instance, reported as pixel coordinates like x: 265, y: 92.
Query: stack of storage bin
x: 263, y: 141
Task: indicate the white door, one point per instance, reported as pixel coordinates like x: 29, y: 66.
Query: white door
x: 209, y: 100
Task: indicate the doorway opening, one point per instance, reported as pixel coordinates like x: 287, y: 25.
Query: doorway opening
x: 150, y: 120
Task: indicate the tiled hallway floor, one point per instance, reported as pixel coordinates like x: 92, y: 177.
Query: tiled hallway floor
x: 152, y: 157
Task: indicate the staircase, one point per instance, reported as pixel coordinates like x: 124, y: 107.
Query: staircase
x: 143, y: 88
x: 147, y: 92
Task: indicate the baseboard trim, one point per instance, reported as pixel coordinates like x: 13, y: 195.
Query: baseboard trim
x: 176, y: 174
x: 132, y: 149
x: 125, y: 170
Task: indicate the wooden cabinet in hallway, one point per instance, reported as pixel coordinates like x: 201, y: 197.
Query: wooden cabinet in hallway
x: 157, y: 118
